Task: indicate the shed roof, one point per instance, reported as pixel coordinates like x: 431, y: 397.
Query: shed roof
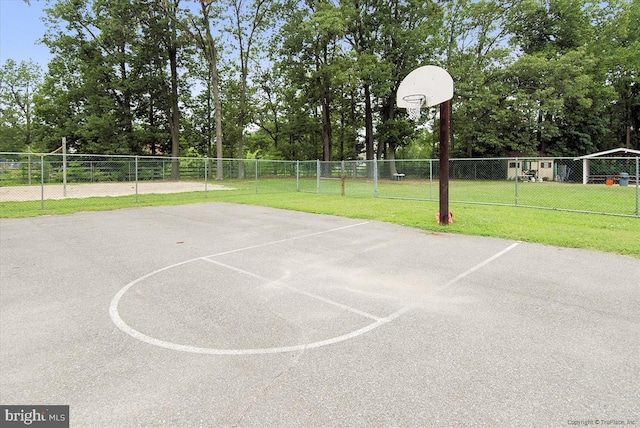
x: 621, y: 151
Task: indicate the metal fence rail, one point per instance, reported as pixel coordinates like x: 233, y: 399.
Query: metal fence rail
x: 597, y: 185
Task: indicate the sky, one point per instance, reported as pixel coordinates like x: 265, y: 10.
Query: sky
x: 20, y: 30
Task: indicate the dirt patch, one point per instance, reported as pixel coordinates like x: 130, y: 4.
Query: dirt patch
x: 58, y: 191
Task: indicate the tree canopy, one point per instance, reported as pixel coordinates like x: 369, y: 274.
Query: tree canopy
x: 316, y: 79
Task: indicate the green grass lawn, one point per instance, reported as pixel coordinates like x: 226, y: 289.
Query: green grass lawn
x: 612, y: 234
x: 568, y: 196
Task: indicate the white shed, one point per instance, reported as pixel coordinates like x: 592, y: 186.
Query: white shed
x: 525, y: 168
x: 623, y: 151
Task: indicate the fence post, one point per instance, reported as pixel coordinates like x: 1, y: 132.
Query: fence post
x: 318, y: 176
x: 41, y: 181
x: 517, y: 174
x: 297, y: 176
x: 136, y: 177
x: 257, y: 160
x: 637, y: 180
x: 206, y: 176
x: 375, y: 177
x: 431, y: 179
x: 64, y: 166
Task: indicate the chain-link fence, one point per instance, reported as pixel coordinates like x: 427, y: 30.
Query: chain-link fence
x: 598, y: 185
x: 40, y: 178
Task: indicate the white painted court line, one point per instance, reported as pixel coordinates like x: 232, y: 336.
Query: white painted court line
x: 124, y: 327
x: 235, y: 269
x: 479, y: 265
x: 296, y: 290
x: 254, y: 351
x: 295, y: 238
x: 334, y: 303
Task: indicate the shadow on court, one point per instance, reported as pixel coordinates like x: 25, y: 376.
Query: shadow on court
x: 218, y: 314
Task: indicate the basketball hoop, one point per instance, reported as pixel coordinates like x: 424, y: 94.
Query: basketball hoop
x: 411, y: 95
x: 414, y: 104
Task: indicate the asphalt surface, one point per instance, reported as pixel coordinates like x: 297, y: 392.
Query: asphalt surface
x: 218, y: 314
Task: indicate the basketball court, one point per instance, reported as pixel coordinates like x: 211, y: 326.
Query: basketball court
x: 218, y: 314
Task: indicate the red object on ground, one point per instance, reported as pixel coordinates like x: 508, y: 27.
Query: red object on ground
x: 450, y: 217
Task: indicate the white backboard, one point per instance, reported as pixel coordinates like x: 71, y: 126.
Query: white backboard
x: 431, y: 81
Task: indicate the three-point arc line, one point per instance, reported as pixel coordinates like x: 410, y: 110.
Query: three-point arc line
x: 378, y: 321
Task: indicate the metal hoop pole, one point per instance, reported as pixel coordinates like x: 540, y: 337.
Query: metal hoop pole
x: 444, y: 162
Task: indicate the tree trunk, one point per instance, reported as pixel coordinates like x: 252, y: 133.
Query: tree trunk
x: 243, y: 115
x: 368, y: 126
x: 218, y: 112
x: 175, y: 109
x: 392, y: 159
x: 210, y: 52
x: 326, y: 125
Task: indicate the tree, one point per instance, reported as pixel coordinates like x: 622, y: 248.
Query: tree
x: 247, y: 23
x: 558, y: 76
x: 98, y: 42
x: 198, y: 29
x: 156, y: 101
x: 616, y: 46
x: 18, y: 82
x: 108, y: 90
x: 473, y: 45
x: 389, y: 40
x: 408, y: 36
x: 551, y: 26
x: 269, y: 112
x: 312, y: 58
x: 170, y: 41
x: 361, y: 32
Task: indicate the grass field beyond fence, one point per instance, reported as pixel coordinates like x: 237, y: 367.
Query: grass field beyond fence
x: 595, y: 198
